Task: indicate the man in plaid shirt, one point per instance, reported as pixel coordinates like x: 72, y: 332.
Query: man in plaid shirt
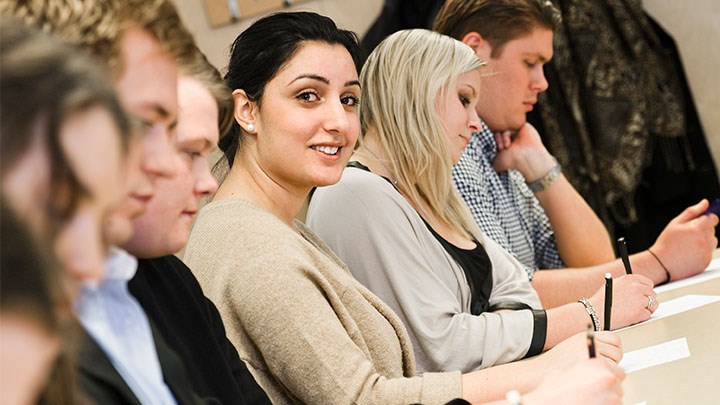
x: 516, y: 190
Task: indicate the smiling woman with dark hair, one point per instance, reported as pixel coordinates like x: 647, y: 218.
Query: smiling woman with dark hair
x: 309, y: 332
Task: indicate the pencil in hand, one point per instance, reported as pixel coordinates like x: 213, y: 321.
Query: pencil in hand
x: 622, y: 247
x: 608, y: 300
x: 591, y: 341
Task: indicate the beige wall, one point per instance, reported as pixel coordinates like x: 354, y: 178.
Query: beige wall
x: 695, y: 26
x: 354, y: 15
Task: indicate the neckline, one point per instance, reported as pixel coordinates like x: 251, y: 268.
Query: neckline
x: 357, y: 165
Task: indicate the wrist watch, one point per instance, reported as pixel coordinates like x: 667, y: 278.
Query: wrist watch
x: 545, y: 181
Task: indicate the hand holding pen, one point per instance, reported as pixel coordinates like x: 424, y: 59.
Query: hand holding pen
x: 686, y: 245
x: 623, y: 301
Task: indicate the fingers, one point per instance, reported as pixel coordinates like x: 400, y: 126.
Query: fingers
x: 609, y: 376
x: 503, y: 140
x: 609, y: 346
x: 608, y: 338
x: 693, y: 211
x: 609, y: 352
x: 637, y: 278
x: 632, y: 302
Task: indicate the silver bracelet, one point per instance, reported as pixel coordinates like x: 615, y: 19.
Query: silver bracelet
x: 545, y: 181
x: 591, y: 311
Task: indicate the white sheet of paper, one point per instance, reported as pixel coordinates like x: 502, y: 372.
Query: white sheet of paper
x: 712, y: 271
x: 655, y: 355
x: 678, y: 305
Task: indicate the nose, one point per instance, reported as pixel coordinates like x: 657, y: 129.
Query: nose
x: 159, y: 154
x: 539, y: 82
x: 205, y: 183
x: 338, y: 119
x: 474, y: 123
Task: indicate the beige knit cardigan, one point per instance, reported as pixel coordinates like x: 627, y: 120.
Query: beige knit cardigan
x: 308, y: 331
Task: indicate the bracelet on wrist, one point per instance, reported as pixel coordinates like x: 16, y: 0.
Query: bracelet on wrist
x: 667, y: 273
x: 591, y: 311
x: 546, y: 180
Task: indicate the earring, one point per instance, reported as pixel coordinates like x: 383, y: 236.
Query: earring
x: 251, y: 127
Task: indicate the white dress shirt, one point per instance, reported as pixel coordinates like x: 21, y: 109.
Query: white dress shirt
x: 121, y: 328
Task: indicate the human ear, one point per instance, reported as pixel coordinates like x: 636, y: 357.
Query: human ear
x: 479, y: 45
x: 245, y: 110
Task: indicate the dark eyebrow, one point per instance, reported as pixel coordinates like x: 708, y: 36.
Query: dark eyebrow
x: 323, y: 80
x: 312, y: 77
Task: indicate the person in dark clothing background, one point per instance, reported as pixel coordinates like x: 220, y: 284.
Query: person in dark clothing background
x: 620, y: 117
x: 400, y: 14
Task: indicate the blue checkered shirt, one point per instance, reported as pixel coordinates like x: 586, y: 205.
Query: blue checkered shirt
x: 504, y: 207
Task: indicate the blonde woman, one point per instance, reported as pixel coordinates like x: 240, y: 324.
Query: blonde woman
x: 405, y: 233
x: 309, y: 332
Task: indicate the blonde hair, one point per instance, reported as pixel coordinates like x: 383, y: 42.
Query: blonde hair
x: 97, y: 26
x: 200, y: 69
x: 401, y: 81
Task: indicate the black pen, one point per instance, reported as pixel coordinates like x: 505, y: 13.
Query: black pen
x: 608, y: 300
x: 624, y: 255
x: 591, y: 341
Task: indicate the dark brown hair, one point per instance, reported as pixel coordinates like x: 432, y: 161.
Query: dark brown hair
x: 268, y: 44
x: 498, y: 21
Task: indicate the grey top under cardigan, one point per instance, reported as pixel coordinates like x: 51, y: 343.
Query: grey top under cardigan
x: 390, y: 250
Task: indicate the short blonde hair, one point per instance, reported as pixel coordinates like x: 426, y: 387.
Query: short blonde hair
x: 401, y: 81
x: 200, y: 69
x: 97, y: 26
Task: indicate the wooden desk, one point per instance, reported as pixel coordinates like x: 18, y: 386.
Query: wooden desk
x: 693, y: 380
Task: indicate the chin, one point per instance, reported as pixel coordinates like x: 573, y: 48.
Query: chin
x: 119, y: 232
x: 327, y: 180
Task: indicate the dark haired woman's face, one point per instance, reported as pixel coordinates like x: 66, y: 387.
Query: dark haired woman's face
x: 308, y: 123
x: 91, y: 142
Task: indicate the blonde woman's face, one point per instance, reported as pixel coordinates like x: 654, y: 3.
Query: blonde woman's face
x: 308, y: 123
x: 457, y: 113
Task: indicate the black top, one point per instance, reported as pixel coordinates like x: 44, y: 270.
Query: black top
x: 191, y: 324
x: 478, y: 270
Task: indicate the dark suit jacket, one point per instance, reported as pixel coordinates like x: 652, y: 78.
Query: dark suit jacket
x: 102, y: 384
x: 191, y: 325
